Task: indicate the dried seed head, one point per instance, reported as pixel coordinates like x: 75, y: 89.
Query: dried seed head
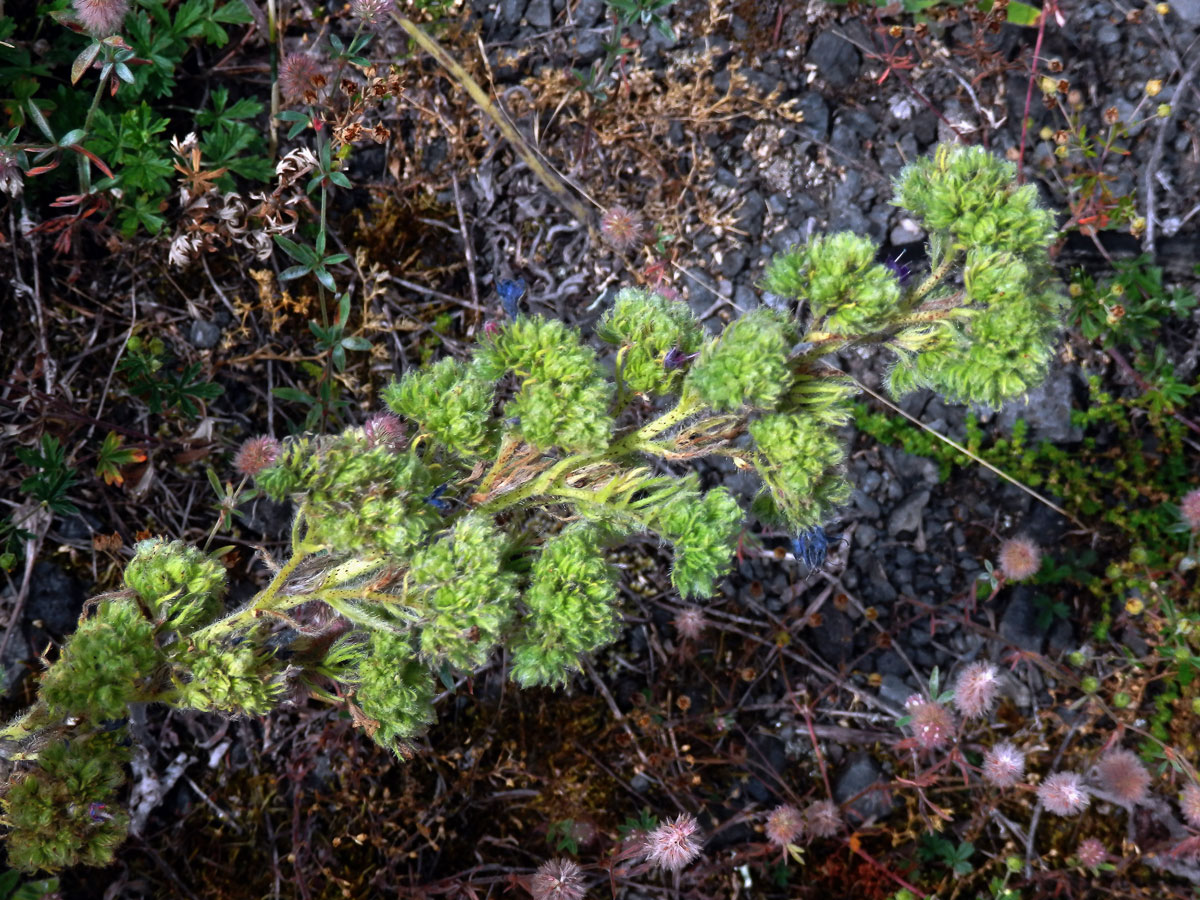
x: 621, y: 228
x: 299, y: 75
x: 100, y: 18
x: 1189, y: 508
x: 1189, y: 804
x: 932, y: 725
x: 1154, y: 87
x: 1063, y: 794
x: 975, y: 690
x: 673, y: 845
x: 371, y: 12
x: 1121, y: 773
x: 784, y: 825
x: 557, y: 879
x: 823, y: 818
x: 1020, y: 558
x: 690, y: 623
x: 256, y: 454
x: 1112, y: 116
x: 1091, y: 852
x: 1003, y: 765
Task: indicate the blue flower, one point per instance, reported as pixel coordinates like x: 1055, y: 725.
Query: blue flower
x: 811, y: 547
x: 675, y: 359
x: 902, y: 271
x: 435, y: 499
x: 511, y: 291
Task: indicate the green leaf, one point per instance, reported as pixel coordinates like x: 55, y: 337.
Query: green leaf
x: 298, y: 252
x: 39, y: 120
x: 294, y: 272
x: 294, y: 395
x: 356, y: 343
x: 84, y: 60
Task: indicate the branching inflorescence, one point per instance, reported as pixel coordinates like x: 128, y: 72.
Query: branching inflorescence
x: 412, y: 535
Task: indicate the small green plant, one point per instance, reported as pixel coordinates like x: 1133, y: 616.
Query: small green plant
x: 938, y: 849
x: 53, y: 477
x: 164, y: 386
x: 413, y: 534
x: 624, y: 13
x: 1129, y: 308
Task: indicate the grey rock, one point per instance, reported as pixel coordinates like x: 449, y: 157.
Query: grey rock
x: 906, y: 231
x: 12, y: 666
x: 55, y: 598
x: 860, y: 120
x: 865, y: 536
x: 836, y: 59
x: 732, y: 262
x: 539, y: 14
x: 268, y: 518
x: 1188, y: 10
x: 1108, y: 34
x: 894, y: 689
x: 846, y: 141
x: 1046, y: 409
x: 862, y: 775
x: 777, y: 204
x: 79, y: 527
x: 890, y: 663
x: 1019, y: 625
x: 907, y: 516
x: 866, y: 505
x: 510, y: 11
x: 589, y: 12
x: 834, y: 637
x: 589, y: 47
x: 204, y: 335
x: 912, y: 469
x: 816, y: 115
x: 752, y: 213
x: 745, y: 298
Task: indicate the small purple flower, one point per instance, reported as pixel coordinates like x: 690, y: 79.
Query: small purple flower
x: 511, y: 291
x: 902, y: 271
x: 97, y: 812
x: 435, y: 499
x: 811, y: 547
x: 675, y: 358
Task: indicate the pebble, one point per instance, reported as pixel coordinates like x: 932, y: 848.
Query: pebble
x: 907, y: 516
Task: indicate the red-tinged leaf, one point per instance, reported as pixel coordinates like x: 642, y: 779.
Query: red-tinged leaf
x: 41, y: 170
x: 84, y: 61
x: 94, y: 158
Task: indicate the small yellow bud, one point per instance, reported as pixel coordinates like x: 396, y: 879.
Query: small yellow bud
x: 1118, y: 289
x: 1061, y: 151
x: 1162, y: 8
x: 1048, y: 85
x: 1153, y: 87
x: 1137, y: 226
x: 1046, y: 133
x: 1075, y: 289
x: 1134, y: 606
x: 1164, y: 110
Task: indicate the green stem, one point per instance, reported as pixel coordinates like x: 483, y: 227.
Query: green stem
x: 934, y: 279
x: 85, y: 166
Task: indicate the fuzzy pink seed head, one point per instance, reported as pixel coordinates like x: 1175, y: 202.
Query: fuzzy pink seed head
x: 976, y: 688
x: 932, y: 725
x: 1189, y: 506
x: 299, y: 75
x: 1091, y: 852
x: 621, y: 228
x: 1121, y: 773
x: 1003, y: 765
x: 371, y: 12
x: 384, y: 430
x: 557, y: 879
x: 1063, y: 794
x: 256, y: 454
x: 784, y: 825
x: 100, y: 18
x: 1020, y: 558
x: 673, y: 845
x: 823, y: 818
x: 690, y: 623
x: 1189, y: 803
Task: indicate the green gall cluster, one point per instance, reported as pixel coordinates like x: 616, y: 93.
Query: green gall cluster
x: 973, y: 195
x: 747, y: 365
x: 64, y: 812
x: 395, y: 690
x: 846, y: 290
x: 242, y: 679
x: 103, y: 664
x: 450, y: 402
x: 703, y: 530
x: 647, y: 328
x: 179, y: 583
x: 570, y: 607
x: 563, y: 396
x: 358, y: 499
x: 462, y: 594
x: 800, y: 464
x: 824, y: 396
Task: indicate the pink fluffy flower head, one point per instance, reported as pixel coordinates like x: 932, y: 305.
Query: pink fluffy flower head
x: 299, y: 78
x: 823, y: 818
x: 931, y: 723
x: 621, y: 228
x: 384, y: 430
x: 673, y: 845
x: 1063, y: 794
x: 100, y: 18
x: 256, y: 454
x: 1091, y: 852
x: 1121, y: 773
x: 1020, y: 558
x: 1003, y: 765
x: 784, y: 825
x: 371, y: 12
x: 557, y: 879
x: 1189, y: 803
x: 1189, y: 506
x: 690, y: 623
x: 975, y: 690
